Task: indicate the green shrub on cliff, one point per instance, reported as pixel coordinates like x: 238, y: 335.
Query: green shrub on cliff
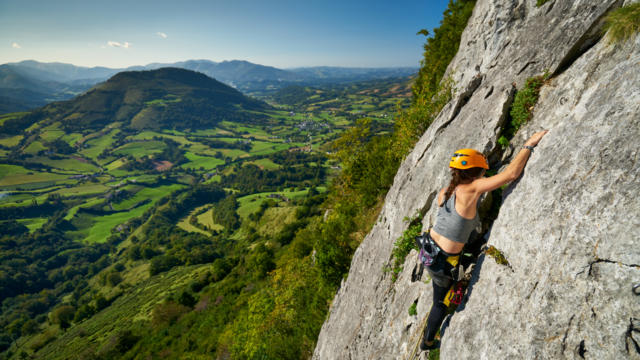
x: 623, y: 23
x: 431, y: 91
x: 440, y: 48
x: 404, y: 244
x: 525, y: 100
x: 522, y: 107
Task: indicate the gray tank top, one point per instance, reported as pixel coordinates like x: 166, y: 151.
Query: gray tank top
x: 451, y: 225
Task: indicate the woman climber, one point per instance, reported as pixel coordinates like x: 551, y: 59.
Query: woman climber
x: 457, y: 216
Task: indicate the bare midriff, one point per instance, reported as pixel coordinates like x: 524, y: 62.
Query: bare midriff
x: 445, y: 244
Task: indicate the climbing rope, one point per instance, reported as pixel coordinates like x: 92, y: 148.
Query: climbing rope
x: 415, y: 348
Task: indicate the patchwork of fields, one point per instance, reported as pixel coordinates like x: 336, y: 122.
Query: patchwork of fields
x: 106, y: 181
x: 97, y: 166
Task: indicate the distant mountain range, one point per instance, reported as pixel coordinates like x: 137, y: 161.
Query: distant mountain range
x: 25, y: 88
x: 29, y: 84
x: 163, y: 98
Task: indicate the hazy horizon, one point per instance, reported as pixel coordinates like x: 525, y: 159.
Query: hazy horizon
x: 222, y: 61
x: 282, y: 33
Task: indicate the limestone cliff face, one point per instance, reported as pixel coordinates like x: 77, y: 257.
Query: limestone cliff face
x: 569, y: 227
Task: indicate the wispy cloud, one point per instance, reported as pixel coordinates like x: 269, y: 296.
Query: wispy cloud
x: 15, y: 45
x: 162, y: 35
x: 125, y: 45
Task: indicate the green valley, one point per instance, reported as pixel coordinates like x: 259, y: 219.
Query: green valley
x: 164, y: 201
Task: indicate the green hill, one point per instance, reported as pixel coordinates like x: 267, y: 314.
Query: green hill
x: 163, y: 98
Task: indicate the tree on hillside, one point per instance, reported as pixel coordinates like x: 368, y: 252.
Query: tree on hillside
x: 63, y: 316
x: 260, y: 261
x: 440, y: 48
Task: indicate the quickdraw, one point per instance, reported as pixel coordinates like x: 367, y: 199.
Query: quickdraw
x: 455, y: 294
x: 636, y: 289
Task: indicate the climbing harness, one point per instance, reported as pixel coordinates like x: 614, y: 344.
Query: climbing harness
x: 636, y: 289
x: 429, y: 250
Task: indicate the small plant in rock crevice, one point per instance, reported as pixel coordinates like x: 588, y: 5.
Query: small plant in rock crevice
x: 434, y: 354
x: 403, y: 245
x: 541, y: 2
x: 623, y: 23
x: 503, y: 141
x: 522, y: 107
x: 497, y: 255
x: 413, y: 309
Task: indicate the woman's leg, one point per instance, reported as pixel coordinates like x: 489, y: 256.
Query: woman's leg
x: 437, y: 314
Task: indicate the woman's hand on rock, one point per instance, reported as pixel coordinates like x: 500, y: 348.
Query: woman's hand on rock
x: 535, y: 138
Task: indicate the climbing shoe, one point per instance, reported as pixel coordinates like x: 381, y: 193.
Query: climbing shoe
x: 425, y: 347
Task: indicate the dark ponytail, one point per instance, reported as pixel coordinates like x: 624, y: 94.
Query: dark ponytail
x: 459, y: 176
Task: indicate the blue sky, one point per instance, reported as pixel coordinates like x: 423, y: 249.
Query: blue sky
x: 281, y: 33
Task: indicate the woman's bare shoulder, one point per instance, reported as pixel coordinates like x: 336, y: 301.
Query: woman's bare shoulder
x: 441, y: 195
x: 466, y: 191
x: 465, y: 188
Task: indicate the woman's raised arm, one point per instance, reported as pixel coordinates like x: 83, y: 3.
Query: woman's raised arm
x: 513, y: 170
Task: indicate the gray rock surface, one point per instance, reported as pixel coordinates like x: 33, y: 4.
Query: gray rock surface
x: 569, y: 226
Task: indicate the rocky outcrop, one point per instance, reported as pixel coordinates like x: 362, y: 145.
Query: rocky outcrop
x: 569, y: 226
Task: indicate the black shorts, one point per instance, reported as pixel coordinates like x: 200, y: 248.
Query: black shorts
x: 442, y: 271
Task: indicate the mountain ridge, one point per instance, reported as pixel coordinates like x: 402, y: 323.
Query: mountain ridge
x: 44, y: 82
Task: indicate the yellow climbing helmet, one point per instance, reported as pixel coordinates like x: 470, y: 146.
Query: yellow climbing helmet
x: 467, y: 159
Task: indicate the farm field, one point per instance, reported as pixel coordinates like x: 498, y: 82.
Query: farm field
x: 13, y: 175
x: 199, y: 161
x: 72, y: 164
x: 274, y: 219
x: 33, y: 224
x: 203, y: 218
x: 94, y: 147
x: 251, y: 203
x: 86, y: 189
x: 140, y: 149
x: 341, y: 105
x: 264, y: 164
x: 98, y: 228
x: 11, y: 141
x: 186, y: 226
x: 206, y: 219
x: 146, y: 194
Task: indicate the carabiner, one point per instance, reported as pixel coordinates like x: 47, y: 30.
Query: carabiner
x: 636, y: 289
